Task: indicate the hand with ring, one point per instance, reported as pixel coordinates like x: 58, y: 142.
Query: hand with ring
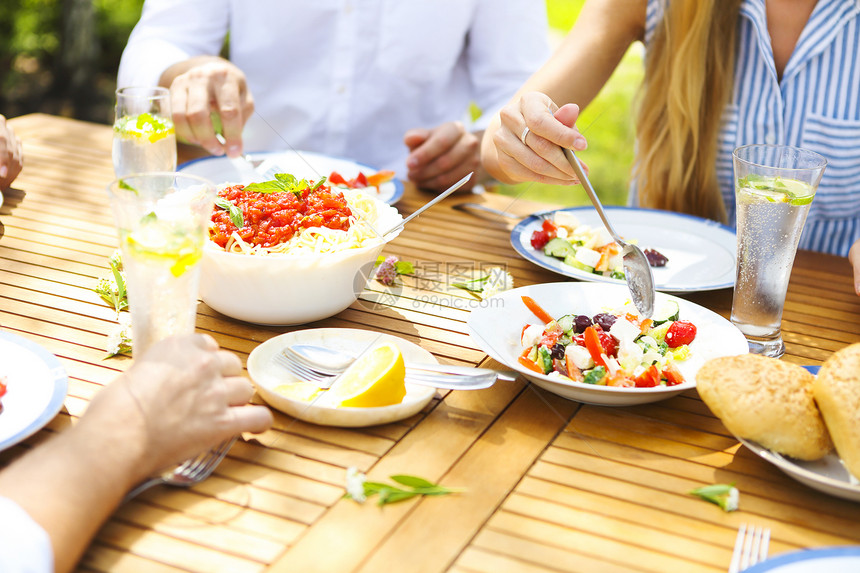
x: 526, y: 141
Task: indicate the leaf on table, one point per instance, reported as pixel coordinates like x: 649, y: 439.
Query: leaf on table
x: 359, y: 489
x: 722, y: 494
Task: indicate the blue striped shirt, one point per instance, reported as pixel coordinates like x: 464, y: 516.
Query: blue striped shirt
x: 816, y: 105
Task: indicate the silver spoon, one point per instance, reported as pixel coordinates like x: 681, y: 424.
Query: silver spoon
x: 429, y: 204
x: 640, y: 281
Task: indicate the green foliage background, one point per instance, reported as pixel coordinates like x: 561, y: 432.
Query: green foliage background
x: 31, y: 42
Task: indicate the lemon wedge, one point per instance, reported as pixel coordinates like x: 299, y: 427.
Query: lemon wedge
x: 301, y: 391
x: 375, y: 379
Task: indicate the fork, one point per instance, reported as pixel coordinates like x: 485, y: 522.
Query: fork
x: 434, y: 379
x: 750, y: 547
x: 267, y: 167
x: 191, y: 471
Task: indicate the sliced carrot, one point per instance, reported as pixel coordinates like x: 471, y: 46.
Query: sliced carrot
x: 594, y: 347
x: 536, y: 309
x: 530, y: 364
x: 379, y: 178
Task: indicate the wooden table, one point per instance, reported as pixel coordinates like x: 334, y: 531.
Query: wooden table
x: 551, y: 485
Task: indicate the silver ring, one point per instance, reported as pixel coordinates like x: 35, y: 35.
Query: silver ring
x: 523, y: 136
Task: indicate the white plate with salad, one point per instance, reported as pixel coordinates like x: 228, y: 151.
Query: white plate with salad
x: 699, y: 254
x: 649, y: 361
x: 303, y: 164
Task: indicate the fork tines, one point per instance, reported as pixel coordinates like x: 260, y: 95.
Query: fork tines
x: 751, y: 547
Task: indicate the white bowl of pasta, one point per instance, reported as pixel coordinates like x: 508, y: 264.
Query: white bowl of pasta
x: 299, y: 256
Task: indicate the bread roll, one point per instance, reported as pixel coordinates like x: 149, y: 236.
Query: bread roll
x: 837, y: 391
x: 767, y: 401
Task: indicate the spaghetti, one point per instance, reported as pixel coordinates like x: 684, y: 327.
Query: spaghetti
x: 310, y: 221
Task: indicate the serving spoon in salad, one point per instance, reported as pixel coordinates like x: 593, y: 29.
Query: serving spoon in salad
x: 637, y: 271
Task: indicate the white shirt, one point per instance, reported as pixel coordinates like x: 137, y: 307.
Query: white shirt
x: 24, y: 546
x: 348, y: 77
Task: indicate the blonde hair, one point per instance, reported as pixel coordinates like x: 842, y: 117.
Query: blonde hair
x: 689, y: 74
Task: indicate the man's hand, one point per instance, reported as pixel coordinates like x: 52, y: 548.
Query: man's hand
x: 203, y: 87
x: 442, y: 156
x: 11, y: 154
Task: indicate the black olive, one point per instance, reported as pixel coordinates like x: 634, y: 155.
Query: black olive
x: 656, y: 258
x: 605, y: 320
x: 557, y: 351
x: 580, y: 323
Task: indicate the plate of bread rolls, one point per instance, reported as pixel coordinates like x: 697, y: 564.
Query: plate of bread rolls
x: 808, y: 426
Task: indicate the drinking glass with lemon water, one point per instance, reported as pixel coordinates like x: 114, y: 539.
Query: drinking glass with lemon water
x: 144, y: 138
x: 774, y: 189
x: 163, y: 221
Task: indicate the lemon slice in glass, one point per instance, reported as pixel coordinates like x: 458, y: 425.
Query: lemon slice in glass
x: 375, y: 379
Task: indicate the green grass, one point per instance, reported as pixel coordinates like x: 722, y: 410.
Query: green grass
x: 607, y: 125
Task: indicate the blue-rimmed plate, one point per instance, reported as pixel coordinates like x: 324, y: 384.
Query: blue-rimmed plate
x: 302, y: 164
x: 826, y: 559
x: 36, y: 386
x: 827, y: 475
x: 701, y: 252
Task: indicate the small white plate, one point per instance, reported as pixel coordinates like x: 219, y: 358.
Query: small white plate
x: 701, y: 252
x: 825, y: 559
x: 827, y: 475
x: 303, y: 164
x: 267, y: 375
x: 497, y: 326
x: 36, y: 387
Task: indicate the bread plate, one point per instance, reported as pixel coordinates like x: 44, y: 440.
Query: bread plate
x: 827, y: 475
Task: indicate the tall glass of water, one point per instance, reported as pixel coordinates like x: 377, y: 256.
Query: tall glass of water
x: 163, y: 221
x: 144, y: 138
x: 774, y: 189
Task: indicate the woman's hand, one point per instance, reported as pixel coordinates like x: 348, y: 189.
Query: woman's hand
x: 533, y: 154
x: 854, y: 257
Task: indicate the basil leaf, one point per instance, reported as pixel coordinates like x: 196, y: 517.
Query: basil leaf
x: 266, y: 187
x: 288, y: 180
x: 404, y: 268
x: 318, y: 184
x: 234, y: 212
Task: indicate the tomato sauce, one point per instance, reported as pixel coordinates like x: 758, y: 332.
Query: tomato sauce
x: 274, y: 218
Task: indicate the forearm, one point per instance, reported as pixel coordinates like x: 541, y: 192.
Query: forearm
x: 71, y: 483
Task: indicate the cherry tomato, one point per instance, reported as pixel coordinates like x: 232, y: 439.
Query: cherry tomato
x: 359, y: 181
x: 649, y: 378
x: 336, y: 178
x: 549, y: 227
x: 680, y: 332
x: 540, y: 239
x: 607, y: 341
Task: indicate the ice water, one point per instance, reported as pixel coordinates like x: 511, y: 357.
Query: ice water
x: 771, y: 212
x: 143, y: 143
x: 161, y: 264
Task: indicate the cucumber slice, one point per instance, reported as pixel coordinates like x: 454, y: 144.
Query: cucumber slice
x: 566, y: 323
x: 667, y: 311
x: 559, y: 248
x: 572, y: 261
